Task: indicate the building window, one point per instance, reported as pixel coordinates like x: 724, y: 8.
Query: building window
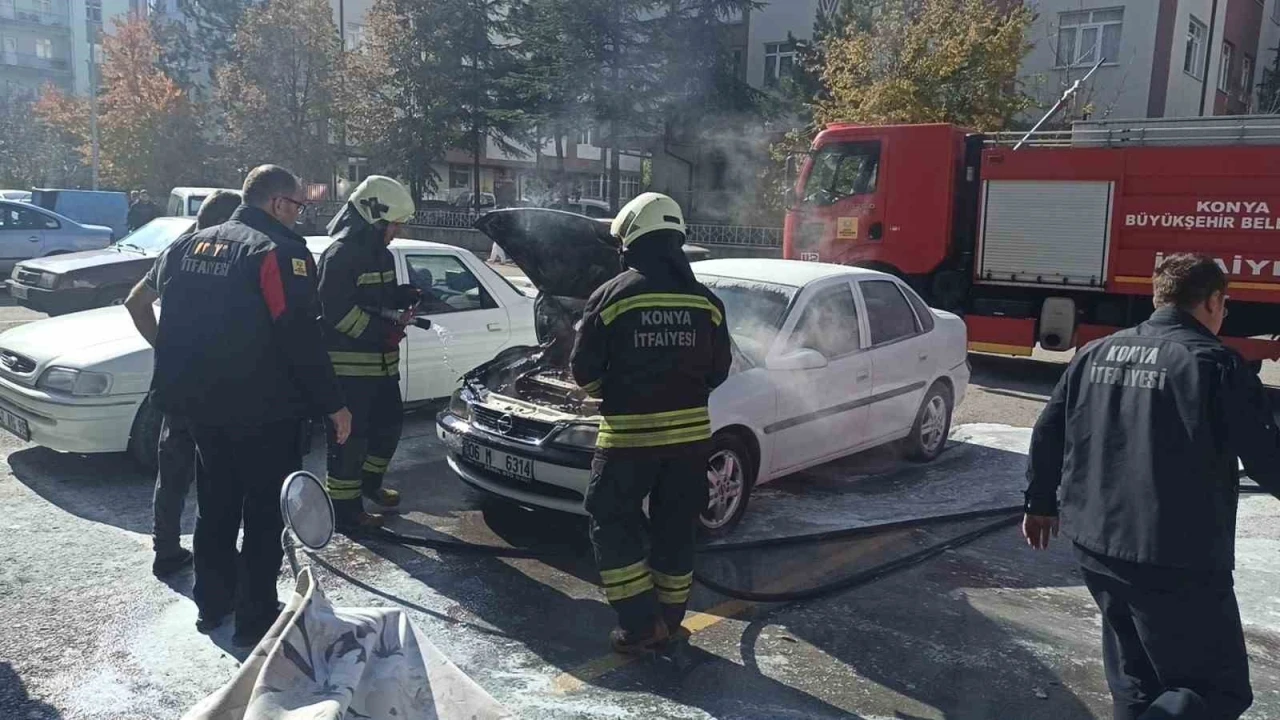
x: 354, y: 37
x: 357, y: 169
x: 459, y: 177
x: 44, y: 48
x: 1246, y: 76
x: 584, y: 136
x: 45, y: 6
x: 778, y: 60
x: 630, y: 187
x: 1224, y: 67
x: 1085, y: 36
x: 93, y: 11
x: 1193, y: 61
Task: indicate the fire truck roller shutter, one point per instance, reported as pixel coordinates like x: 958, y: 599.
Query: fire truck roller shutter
x: 1045, y: 232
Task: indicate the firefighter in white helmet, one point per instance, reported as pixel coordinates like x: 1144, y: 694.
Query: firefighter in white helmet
x: 652, y: 345
x: 365, y: 314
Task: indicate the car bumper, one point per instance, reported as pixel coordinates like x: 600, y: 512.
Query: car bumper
x: 561, y: 476
x: 78, y: 425
x: 51, y: 301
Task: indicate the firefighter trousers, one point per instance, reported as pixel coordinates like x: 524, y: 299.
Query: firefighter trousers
x: 646, y: 564
x: 357, y: 467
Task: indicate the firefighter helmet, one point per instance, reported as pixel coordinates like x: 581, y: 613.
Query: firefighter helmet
x: 646, y: 213
x: 382, y: 199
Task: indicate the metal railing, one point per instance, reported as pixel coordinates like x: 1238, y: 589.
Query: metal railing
x: 1242, y: 130
x: 47, y: 19
x: 33, y: 61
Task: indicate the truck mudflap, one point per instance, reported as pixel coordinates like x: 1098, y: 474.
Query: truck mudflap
x: 1017, y: 336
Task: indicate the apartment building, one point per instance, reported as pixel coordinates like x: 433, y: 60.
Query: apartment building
x: 53, y: 42
x: 1267, y: 74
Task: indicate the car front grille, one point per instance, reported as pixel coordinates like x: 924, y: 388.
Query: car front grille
x: 17, y: 364
x: 26, y: 276
x: 509, y: 425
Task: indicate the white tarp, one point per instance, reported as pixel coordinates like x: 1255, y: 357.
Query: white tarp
x: 319, y: 662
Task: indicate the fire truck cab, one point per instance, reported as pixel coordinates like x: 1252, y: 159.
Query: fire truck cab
x: 1053, y: 243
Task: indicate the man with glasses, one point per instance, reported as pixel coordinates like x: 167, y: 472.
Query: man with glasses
x: 1142, y: 434
x: 240, y: 355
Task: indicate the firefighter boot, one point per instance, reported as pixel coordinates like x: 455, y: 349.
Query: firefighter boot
x: 673, y: 617
x: 384, y: 497
x: 625, y: 642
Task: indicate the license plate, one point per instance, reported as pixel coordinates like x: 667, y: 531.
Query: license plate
x: 809, y: 256
x: 512, y: 466
x: 18, y: 291
x: 14, y: 424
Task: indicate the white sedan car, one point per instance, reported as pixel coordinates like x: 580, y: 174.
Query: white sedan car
x: 78, y: 383
x: 829, y: 360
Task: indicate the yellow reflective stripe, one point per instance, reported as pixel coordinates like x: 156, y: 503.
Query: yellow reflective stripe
x: 592, y: 387
x: 654, y: 439
x: 376, y: 278
x: 641, y: 585
x: 661, y: 300
x: 342, y: 489
x: 672, y: 589
x: 365, y: 370
x: 375, y: 465
x: 374, y: 460
x: 648, y: 421
x: 623, y: 574
x: 356, y: 321
x: 364, y: 358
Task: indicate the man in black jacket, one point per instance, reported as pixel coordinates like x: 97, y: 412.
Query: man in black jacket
x: 365, y: 315
x: 1142, y: 434
x: 652, y: 344
x: 142, y: 212
x: 239, y: 354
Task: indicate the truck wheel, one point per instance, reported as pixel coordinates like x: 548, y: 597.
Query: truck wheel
x: 144, y: 439
x: 933, y: 424
x: 731, y: 472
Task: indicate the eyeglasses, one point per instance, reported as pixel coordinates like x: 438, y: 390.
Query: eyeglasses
x: 300, y: 205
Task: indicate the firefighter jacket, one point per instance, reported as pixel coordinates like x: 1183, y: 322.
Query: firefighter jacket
x: 357, y: 282
x: 239, y: 342
x: 1142, y: 434
x: 652, y: 344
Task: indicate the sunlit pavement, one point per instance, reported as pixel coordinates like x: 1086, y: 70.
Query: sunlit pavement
x: 986, y: 631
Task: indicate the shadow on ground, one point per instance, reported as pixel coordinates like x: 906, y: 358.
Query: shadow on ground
x: 16, y: 703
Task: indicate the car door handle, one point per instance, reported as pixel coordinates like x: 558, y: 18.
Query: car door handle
x: 34, y: 238
x: 862, y: 376
x: 494, y: 327
x: 924, y: 356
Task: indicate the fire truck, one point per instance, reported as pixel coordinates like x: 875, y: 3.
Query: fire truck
x: 1054, y: 242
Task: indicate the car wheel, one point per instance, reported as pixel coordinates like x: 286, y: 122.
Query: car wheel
x: 144, y: 439
x: 730, y: 475
x: 933, y: 423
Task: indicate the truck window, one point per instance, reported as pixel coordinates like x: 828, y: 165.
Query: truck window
x: 842, y: 170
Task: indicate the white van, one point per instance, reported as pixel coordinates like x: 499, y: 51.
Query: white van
x: 185, y: 201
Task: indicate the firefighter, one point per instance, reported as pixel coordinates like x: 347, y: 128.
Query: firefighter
x: 240, y: 357
x: 1142, y: 434
x: 365, y: 315
x: 652, y: 344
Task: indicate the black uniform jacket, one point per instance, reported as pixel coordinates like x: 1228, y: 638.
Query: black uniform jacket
x: 239, y: 340
x: 358, y: 274
x: 1143, y: 433
x: 652, y: 344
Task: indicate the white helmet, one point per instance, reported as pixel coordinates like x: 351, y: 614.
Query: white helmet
x: 646, y: 213
x: 382, y: 199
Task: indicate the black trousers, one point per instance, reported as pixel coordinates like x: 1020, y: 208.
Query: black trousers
x: 239, y: 472
x: 1172, y: 642
x: 177, y: 461
x: 646, y: 564
x: 357, y: 467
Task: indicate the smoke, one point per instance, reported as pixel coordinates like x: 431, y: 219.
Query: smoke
x: 754, y: 312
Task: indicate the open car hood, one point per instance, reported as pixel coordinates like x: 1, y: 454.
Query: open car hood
x: 562, y: 253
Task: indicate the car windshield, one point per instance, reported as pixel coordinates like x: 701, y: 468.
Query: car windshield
x: 193, y: 204
x: 156, y: 235
x: 754, y: 311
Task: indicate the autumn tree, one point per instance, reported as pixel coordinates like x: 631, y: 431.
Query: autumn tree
x: 148, y: 134
x: 929, y: 61
x: 279, y: 92
x: 33, y: 154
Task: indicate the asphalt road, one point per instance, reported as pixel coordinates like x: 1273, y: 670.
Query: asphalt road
x: 988, y: 630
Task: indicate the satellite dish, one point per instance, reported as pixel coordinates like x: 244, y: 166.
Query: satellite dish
x: 307, y: 510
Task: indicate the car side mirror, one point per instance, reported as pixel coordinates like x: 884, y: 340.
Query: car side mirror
x: 802, y: 359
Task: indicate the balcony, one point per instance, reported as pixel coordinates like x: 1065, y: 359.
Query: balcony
x: 28, y: 16
x: 22, y: 60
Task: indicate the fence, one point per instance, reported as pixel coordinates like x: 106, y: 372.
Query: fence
x: 698, y: 234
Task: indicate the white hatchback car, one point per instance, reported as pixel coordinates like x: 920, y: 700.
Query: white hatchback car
x: 78, y: 383
x: 829, y: 360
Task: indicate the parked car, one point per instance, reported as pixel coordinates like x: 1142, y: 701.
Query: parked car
x: 78, y: 383
x: 97, y: 207
x: 590, y: 208
x: 463, y: 200
x: 829, y: 360
x: 16, y: 195
x: 185, y: 201
x: 72, y: 282
x: 27, y: 231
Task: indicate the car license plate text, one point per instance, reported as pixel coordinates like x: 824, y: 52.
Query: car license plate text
x: 497, y: 461
x: 14, y: 424
x: 18, y: 291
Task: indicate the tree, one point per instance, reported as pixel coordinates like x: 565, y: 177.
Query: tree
x: 147, y: 128
x: 279, y: 92
x: 195, y: 45
x: 33, y: 154
x: 929, y: 61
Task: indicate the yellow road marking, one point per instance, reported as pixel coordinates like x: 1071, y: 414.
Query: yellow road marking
x: 573, y: 680
x: 1000, y: 349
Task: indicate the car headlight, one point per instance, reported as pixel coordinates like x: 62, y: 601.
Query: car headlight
x: 13, y: 274
x: 459, y: 406
x: 48, y: 280
x: 74, y: 382
x: 583, y: 436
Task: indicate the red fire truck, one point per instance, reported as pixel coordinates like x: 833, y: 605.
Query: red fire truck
x: 1054, y: 242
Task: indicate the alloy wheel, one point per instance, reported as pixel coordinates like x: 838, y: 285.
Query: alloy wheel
x: 726, y: 480
x: 933, y: 425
